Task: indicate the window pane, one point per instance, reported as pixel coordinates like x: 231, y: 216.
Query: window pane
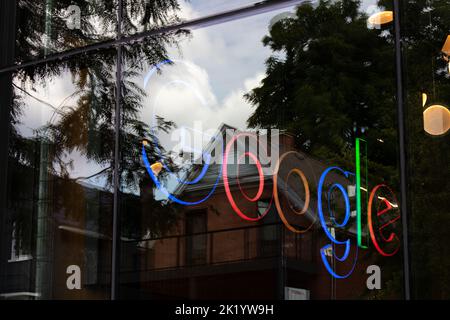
x: 196, y: 237
x: 60, y: 180
x: 323, y: 76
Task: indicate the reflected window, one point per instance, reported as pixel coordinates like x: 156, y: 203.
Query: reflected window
x: 196, y: 227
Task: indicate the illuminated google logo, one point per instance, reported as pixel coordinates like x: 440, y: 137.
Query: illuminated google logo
x: 382, y: 206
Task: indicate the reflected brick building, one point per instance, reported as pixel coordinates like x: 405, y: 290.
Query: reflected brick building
x: 212, y: 253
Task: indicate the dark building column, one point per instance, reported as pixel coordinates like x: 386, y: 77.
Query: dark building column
x: 7, y: 45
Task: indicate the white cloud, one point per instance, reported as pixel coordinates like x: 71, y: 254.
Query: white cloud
x: 183, y: 94
x: 219, y: 63
x: 236, y: 110
x: 197, y: 8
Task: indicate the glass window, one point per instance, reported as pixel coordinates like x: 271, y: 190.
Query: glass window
x: 60, y: 172
x: 298, y: 109
x: 258, y: 142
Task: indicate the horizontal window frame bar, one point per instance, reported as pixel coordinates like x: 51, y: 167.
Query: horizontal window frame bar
x: 215, y: 19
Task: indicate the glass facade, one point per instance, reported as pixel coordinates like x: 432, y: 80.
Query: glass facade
x: 286, y: 150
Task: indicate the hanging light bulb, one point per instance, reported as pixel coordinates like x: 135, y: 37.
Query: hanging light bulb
x: 436, y: 120
x: 436, y: 117
x: 380, y: 18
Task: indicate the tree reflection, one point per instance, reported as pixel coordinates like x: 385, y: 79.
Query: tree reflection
x: 329, y: 81
x: 334, y: 81
x: 88, y: 125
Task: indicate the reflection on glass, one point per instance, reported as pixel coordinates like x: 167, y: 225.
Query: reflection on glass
x: 51, y: 26
x: 436, y: 120
x: 143, y: 15
x: 425, y: 28
x: 60, y: 180
x: 259, y: 148
x: 380, y: 18
x: 206, y: 207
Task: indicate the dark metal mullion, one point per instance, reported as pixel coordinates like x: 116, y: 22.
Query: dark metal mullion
x: 7, y: 39
x: 402, y: 148
x: 115, y: 254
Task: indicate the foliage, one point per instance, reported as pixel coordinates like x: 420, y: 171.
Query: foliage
x: 88, y: 126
